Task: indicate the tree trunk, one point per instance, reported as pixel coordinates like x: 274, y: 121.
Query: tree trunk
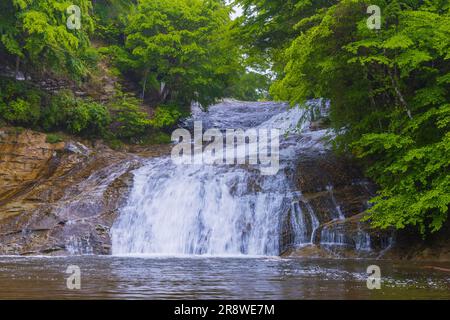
x: 17, y: 67
x: 399, y: 95
x: 144, y: 84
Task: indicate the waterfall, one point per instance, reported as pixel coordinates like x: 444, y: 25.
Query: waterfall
x: 304, y: 223
x: 340, y: 214
x: 216, y: 209
x: 335, y: 237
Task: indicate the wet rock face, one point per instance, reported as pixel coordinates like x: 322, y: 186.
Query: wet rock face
x: 353, y: 237
x: 409, y: 245
x: 320, y: 171
x: 59, y: 199
x: 334, y: 193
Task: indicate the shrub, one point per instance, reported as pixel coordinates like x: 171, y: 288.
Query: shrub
x: 91, y: 57
x: 115, y: 144
x: 128, y: 121
x: 165, y: 116
x: 11, y: 89
x: 88, y: 118
x: 20, y: 112
x: 160, y: 138
x: 19, y: 103
x: 55, y: 115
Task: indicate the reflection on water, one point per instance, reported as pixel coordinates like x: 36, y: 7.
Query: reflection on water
x: 217, y: 278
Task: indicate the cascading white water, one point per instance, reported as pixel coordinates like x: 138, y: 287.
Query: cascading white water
x: 333, y: 199
x: 304, y: 223
x: 214, y: 209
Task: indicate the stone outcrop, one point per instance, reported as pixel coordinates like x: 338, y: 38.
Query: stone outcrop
x: 409, y: 245
x: 59, y: 198
x: 334, y: 193
x: 24, y: 158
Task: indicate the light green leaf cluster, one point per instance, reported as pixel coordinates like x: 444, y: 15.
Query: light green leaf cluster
x: 35, y: 32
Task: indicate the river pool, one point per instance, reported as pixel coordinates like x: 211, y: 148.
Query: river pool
x: 199, y: 277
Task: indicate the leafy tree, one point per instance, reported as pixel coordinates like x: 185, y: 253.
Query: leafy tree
x: 34, y: 34
x: 176, y: 49
x: 389, y: 92
x: 165, y: 116
x: 269, y: 26
x: 251, y: 86
x: 111, y: 18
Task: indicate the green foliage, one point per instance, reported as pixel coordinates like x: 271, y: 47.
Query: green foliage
x: 165, y: 116
x: 251, y: 86
x: 91, y: 58
x: 267, y: 27
x: 177, y: 51
x: 75, y: 115
x: 20, y: 112
x: 157, y: 137
x: 128, y: 121
x: 88, y: 118
x: 389, y: 92
x: 110, y: 19
x: 19, y: 104
x: 121, y: 119
x: 34, y: 32
x: 115, y: 144
x: 174, y: 50
x: 54, y: 115
x: 53, y: 138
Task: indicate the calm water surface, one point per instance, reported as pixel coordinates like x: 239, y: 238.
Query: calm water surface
x: 217, y: 278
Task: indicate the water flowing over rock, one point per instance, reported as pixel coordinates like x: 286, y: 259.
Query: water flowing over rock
x: 334, y: 191
x: 233, y: 209
x: 208, y: 209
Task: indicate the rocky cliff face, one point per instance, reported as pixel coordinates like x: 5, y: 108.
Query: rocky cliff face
x: 24, y: 158
x: 59, y: 198
x: 334, y: 193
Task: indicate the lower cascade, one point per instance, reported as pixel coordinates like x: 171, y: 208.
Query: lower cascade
x: 219, y: 209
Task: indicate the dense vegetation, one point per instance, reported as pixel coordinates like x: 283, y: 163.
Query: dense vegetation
x: 388, y: 87
x: 166, y: 54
